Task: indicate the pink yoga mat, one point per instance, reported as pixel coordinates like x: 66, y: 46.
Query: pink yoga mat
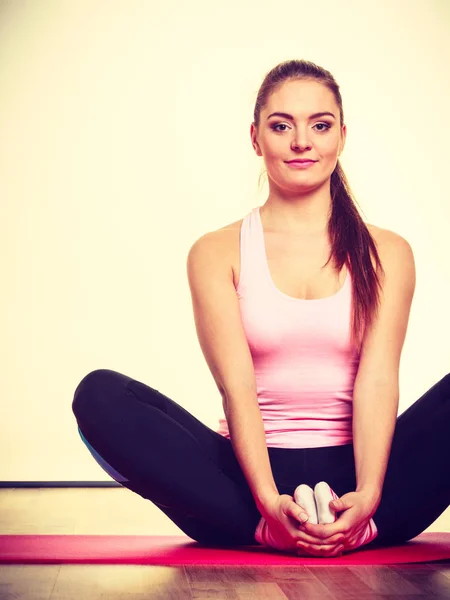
x: 182, y: 550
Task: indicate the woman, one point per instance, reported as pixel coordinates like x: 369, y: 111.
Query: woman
x: 301, y: 311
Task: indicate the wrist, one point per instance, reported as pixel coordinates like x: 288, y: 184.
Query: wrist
x: 265, y: 502
x: 371, y: 493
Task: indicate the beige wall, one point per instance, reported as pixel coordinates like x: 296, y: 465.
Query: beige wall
x: 124, y: 136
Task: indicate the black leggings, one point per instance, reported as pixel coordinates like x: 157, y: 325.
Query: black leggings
x: 154, y: 447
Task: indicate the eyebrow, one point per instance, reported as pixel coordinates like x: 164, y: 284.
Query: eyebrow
x: 288, y: 116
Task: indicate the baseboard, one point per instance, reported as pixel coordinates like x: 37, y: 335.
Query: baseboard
x: 57, y: 484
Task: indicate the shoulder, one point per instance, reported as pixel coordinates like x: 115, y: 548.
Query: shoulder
x: 223, y: 233
x: 395, y: 253
x: 384, y: 236
x: 394, y: 243
x: 389, y: 242
x: 216, y: 246
x: 220, y: 247
x: 222, y: 240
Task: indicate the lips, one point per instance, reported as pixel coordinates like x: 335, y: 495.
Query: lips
x: 301, y: 161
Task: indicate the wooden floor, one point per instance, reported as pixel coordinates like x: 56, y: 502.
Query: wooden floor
x: 119, y: 511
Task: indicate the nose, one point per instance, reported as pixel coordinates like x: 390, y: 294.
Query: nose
x: 300, y: 140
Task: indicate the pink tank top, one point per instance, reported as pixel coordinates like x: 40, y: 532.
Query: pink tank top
x: 305, y: 365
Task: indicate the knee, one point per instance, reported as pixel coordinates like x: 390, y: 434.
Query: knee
x: 445, y: 383
x: 90, y: 388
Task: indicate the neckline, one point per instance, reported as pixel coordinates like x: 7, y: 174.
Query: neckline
x: 271, y: 281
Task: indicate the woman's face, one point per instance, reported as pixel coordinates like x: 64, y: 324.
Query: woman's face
x: 281, y: 138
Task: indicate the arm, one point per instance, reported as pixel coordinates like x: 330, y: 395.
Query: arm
x: 376, y: 390
x: 225, y: 348
x: 249, y: 444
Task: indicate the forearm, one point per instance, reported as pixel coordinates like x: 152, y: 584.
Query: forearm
x: 249, y: 444
x: 374, y: 419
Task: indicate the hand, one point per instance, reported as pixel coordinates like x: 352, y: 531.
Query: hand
x: 283, y: 518
x: 356, y: 509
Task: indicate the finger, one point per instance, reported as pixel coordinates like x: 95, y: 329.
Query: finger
x: 324, y: 531
x: 297, y: 514
x: 310, y: 539
x: 338, y: 552
x: 322, y: 551
x: 350, y: 542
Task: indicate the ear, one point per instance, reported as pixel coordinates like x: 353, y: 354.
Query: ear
x: 253, y: 134
x: 343, y: 139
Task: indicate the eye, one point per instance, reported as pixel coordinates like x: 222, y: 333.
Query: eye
x: 274, y: 127
x: 326, y: 125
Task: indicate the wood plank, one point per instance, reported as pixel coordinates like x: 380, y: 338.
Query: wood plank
x: 382, y: 579
x: 442, y: 568
x: 121, y: 582
x: 295, y: 582
x: 237, y: 591
x: 254, y: 582
x: 27, y: 582
x: 341, y: 582
x: 213, y: 590
x: 430, y: 581
x: 196, y: 574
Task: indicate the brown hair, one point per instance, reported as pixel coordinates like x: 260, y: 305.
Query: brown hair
x: 351, y: 242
